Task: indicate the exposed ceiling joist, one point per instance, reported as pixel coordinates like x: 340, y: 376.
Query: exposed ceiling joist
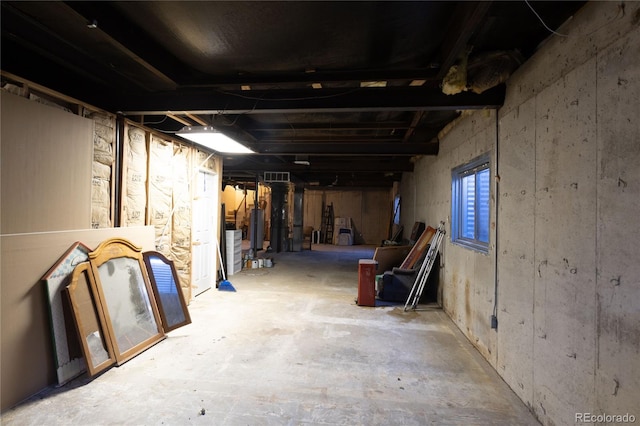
x: 364, y: 164
x: 197, y: 119
x: 369, y: 148
x: 330, y: 101
x: 283, y: 77
x: 179, y: 119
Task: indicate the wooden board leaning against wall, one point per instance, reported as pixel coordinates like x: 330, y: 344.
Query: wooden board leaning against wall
x: 104, y: 133
x: 157, y: 190
x: 157, y: 174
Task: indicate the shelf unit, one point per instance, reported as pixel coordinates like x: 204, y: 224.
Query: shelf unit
x: 234, y: 251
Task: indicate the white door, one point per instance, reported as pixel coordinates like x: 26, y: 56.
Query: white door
x: 205, y: 224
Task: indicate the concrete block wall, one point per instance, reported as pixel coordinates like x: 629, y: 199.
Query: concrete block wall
x: 565, y: 221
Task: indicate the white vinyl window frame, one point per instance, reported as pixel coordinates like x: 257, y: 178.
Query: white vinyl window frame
x: 470, y: 204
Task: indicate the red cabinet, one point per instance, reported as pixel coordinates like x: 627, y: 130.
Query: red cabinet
x: 367, y: 282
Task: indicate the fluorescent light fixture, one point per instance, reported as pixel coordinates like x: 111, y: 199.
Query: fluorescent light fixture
x: 373, y: 84
x: 302, y: 160
x: 211, y: 138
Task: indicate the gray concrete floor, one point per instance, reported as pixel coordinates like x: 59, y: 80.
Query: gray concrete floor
x: 291, y: 347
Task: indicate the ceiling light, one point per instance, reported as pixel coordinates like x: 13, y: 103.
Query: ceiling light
x: 373, y: 84
x: 316, y: 85
x: 302, y: 160
x: 211, y: 138
x: 245, y: 87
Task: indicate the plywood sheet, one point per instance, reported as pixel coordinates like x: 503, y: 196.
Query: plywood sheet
x: 390, y: 257
x: 27, y: 359
x: 46, y: 162
x: 419, y: 248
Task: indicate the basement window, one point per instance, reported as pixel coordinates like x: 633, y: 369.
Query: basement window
x: 470, y: 191
x: 396, y: 210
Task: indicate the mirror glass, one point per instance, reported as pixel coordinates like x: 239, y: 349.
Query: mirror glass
x: 165, y: 283
x: 127, y: 302
x: 89, y: 323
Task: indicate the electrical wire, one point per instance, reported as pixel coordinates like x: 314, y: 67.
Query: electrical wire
x: 156, y: 122
x: 543, y: 23
x: 303, y: 98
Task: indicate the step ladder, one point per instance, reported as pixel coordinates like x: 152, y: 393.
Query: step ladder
x: 327, y: 224
x: 425, y: 269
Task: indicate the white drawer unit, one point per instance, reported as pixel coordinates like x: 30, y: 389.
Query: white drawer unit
x: 234, y: 251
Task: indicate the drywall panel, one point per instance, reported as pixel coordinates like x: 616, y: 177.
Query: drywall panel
x: 515, y: 225
x: 564, y: 313
x: 46, y: 167
x: 27, y: 359
x: 618, y: 230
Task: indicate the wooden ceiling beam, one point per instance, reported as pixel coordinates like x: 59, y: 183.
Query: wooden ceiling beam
x: 179, y: 119
x: 197, y: 119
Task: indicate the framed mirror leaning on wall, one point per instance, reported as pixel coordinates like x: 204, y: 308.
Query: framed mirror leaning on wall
x: 123, y: 286
x: 89, y: 320
x: 166, y: 287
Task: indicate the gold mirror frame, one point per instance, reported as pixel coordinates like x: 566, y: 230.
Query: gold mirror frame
x: 89, y: 320
x: 130, y: 310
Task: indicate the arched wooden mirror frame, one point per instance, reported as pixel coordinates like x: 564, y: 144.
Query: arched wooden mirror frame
x: 130, y: 310
x: 89, y: 320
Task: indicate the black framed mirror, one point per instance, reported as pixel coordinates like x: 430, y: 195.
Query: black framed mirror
x: 166, y: 288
